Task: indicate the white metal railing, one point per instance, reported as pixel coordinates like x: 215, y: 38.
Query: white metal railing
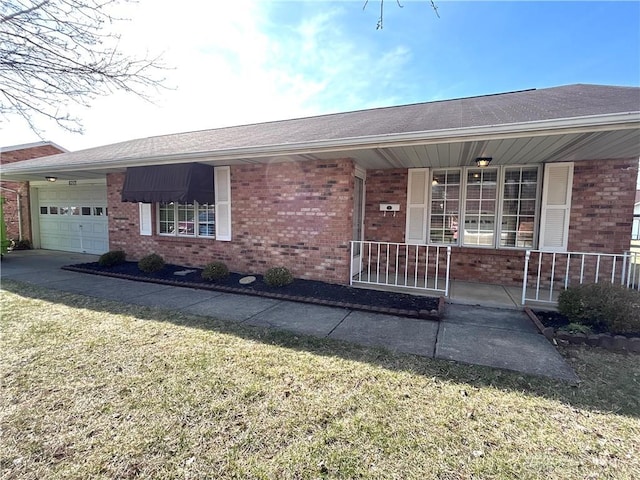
x: 546, y: 274
x: 424, y: 267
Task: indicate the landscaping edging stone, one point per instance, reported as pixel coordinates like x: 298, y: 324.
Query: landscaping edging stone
x: 421, y: 314
x: 603, y: 340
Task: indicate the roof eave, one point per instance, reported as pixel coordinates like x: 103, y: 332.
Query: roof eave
x: 593, y: 123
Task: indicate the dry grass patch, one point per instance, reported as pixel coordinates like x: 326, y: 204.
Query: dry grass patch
x: 98, y: 389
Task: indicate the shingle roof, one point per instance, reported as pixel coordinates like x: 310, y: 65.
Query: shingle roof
x: 564, y: 102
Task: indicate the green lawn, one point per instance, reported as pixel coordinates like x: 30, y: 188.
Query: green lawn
x: 98, y: 389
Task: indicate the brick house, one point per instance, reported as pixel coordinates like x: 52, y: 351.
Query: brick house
x: 16, y: 194
x: 478, y: 180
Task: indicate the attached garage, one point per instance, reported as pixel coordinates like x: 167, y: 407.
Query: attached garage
x: 71, y: 218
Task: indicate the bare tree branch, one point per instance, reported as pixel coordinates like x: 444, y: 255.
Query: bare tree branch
x: 380, y: 23
x: 54, y: 53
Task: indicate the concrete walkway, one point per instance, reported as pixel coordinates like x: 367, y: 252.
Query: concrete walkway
x: 494, y: 337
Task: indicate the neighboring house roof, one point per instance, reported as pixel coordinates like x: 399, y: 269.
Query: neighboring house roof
x: 26, y: 146
x: 371, y: 136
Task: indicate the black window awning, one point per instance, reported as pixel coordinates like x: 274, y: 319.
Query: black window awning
x: 183, y: 182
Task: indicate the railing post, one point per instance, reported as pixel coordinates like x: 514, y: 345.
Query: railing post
x: 525, y: 276
x: 446, y: 287
x: 351, y: 263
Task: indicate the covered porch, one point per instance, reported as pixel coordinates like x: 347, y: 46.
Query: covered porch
x: 427, y: 270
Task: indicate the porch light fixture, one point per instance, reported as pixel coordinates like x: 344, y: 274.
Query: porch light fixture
x: 51, y: 179
x: 482, y: 162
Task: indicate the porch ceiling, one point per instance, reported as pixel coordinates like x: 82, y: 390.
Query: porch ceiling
x: 504, y: 151
x: 510, y: 148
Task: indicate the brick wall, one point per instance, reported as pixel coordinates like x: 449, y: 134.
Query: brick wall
x: 601, y: 219
x: 385, y: 186
x: 294, y: 214
x: 602, y: 205
x: 11, y: 204
x: 603, y: 196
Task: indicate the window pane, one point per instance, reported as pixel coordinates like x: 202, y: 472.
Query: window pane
x: 53, y: 210
x: 86, y: 210
x: 206, y: 220
x: 445, y: 205
x: 63, y: 211
x: 519, y: 207
x: 75, y: 210
x: 528, y: 207
x: 43, y: 210
x: 166, y: 214
x: 528, y: 191
x: 98, y: 211
x: 480, y: 207
x: 186, y: 220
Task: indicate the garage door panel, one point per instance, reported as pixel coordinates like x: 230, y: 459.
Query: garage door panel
x: 99, y: 229
x: 72, y: 219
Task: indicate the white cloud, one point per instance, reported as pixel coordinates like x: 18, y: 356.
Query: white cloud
x: 232, y: 65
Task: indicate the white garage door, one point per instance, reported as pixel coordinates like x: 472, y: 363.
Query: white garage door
x: 74, y: 219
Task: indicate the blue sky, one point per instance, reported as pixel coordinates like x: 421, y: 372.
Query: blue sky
x: 251, y: 61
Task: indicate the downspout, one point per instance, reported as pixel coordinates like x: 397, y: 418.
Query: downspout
x: 19, y: 210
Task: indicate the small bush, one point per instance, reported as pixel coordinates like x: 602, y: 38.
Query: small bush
x: 24, y: 244
x: 114, y: 257
x: 577, y: 328
x: 278, y: 277
x: 215, y: 271
x: 603, y: 306
x: 151, y: 263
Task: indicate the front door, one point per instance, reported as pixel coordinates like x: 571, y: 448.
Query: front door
x: 358, y: 221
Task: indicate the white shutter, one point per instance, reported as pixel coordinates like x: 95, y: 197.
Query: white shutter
x: 416, y: 231
x: 222, y: 179
x: 146, y: 225
x: 556, y: 206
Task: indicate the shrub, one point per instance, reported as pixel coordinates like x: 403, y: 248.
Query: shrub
x: 278, y: 277
x: 605, y: 306
x: 577, y: 328
x: 151, y: 263
x: 114, y: 257
x: 24, y: 244
x: 215, y: 271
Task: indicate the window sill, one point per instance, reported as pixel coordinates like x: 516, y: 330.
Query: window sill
x: 183, y: 237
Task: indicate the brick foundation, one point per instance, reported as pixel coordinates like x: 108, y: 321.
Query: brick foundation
x: 297, y: 215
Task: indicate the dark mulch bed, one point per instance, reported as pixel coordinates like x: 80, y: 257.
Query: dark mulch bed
x: 557, y: 320
x: 300, y: 290
x: 551, y: 318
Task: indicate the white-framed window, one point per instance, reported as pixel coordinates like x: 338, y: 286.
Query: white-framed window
x: 445, y: 206
x: 518, y: 218
x: 492, y: 207
x: 205, y: 220
x: 481, y: 193
x: 186, y: 219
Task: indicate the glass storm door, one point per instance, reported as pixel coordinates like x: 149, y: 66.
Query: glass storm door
x: 358, y: 222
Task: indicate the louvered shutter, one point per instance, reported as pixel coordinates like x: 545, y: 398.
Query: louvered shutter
x: 146, y: 224
x: 416, y: 231
x: 556, y: 207
x: 222, y: 189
